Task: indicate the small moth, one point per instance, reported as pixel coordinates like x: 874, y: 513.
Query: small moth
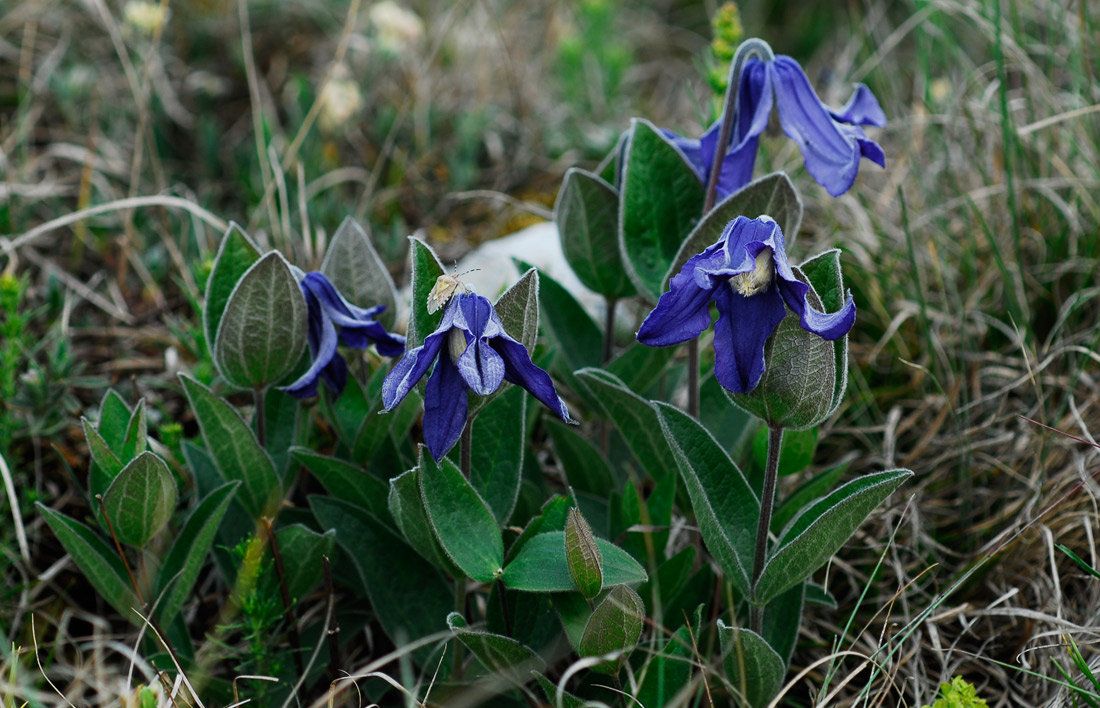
x: 444, y: 290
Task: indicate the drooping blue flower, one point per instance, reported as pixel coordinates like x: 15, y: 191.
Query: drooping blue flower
x: 472, y: 352
x: 832, y: 141
x: 747, y: 275
x: 333, y: 320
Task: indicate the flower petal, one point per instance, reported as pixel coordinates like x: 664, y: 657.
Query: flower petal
x: 683, y: 312
x: 520, y: 370
x: 829, y: 326
x: 482, y: 368
x: 743, y: 327
x: 322, y: 343
x: 831, y: 156
x: 412, y: 367
x: 445, y: 408
x: 336, y: 374
x: 861, y: 109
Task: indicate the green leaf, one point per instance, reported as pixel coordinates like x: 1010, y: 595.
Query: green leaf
x: 587, y: 215
x: 810, y: 490
x: 302, y: 550
x: 496, y: 457
x: 573, y: 613
x: 137, y: 434
x: 796, y: 453
x: 141, y: 499
x: 462, y: 521
x: 263, y: 331
x: 586, y: 470
x: 615, y: 625
x: 541, y: 566
x: 583, y: 555
x: 577, y: 336
x: 635, y: 418
x: 105, y: 464
x: 668, y: 672
x: 236, y: 254
x: 189, y: 549
x: 725, y: 506
x: 728, y: 424
x: 353, y: 266
x: 660, y: 203
x: 114, y: 420
x: 426, y: 269
x: 823, y: 272
x: 551, y: 517
x: 98, y: 561
x: 408, y: 595
x: 345, y: 481
x: 502, y: 656
x: 518, y: 309
x: 819, y: 532
x: 754, y: 669
x: 817, y: 595
x: 772, y: 195
x: 1082, y: 563
x: 281, y: 426
x: 550, y: 690
x: 236, y: 453
x: 640, y: 366
x: 406, y: 506
x: 782, y: 619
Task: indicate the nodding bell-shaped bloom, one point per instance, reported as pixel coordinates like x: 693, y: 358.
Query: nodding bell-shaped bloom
x: 333, y: 320
x: 832, y: 141
x: 472, y: 352
x: 747, y: 275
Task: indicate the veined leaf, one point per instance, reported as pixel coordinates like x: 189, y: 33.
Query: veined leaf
x: 753, y: 668
x: 141, y: 499
x: 541, y: 565
x: 353, y: 266
x: 236, y: 254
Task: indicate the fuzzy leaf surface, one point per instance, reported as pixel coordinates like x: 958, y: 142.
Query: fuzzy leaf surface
x: 541, y: 565
x: 753, y: 668
x: 236, y: 254
x: 353, y: 266
x: 587, y: 215
x: 141, y: 499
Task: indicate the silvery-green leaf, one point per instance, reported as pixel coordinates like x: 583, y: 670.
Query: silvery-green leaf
x: 805, y: 494
x: 660, y: 202
x: 353, y: 266
x: 795, y: 454
x: 461, y: 519
x: 105, y: 463
x: 634, y: 416
x: 578, y: 338
x: 753, y: 668
x: 587, y: 215
x: 615, y: 626
x: 345, y: 481
x: 585, y: 468
x: 235, y: 451
x: 501, y: 655
x: 823, y: 272
x: 97, y: 560
x: 189, y: 549
x: 819, y: 532
x: 236, y: 254
x: 583, y: 555
x: 141, y: 499
x: 497, y: 449
x: 799, y: 384
x: 772, y: 195
x: 263, y: 331
x: 302, y: 550
x: 541, y: 565
x: 137, y: 434
x: 426, y: 269
x: 518, y: 310
x: 406, y: 506
x: 725, y: 506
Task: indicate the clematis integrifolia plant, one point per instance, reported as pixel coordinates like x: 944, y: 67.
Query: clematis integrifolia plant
x: 471, y: 352
x: 334, y: 320
x: 831, y: 140
x: 748, y: 277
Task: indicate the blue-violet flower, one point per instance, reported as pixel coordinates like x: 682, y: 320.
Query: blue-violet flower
x: 472, y: 351
x: 747, y: 275
x: 333, y: 319
x: 831, y: 141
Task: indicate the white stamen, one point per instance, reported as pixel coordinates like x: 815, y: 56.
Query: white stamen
x: 456, y: 343
x: 759, y: 278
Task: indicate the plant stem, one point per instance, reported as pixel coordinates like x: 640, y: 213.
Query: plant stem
x: 465, y: 443
x: 291, y: 616
x: 261, y: 415
x: 504, y: 607
x: 693, y: 378
x: 767, y: 501
x: 460, y: 608
x: 334, y: 628
x: 609, y: 328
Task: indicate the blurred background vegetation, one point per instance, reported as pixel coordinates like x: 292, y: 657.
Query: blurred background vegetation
x: 973, y: 259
